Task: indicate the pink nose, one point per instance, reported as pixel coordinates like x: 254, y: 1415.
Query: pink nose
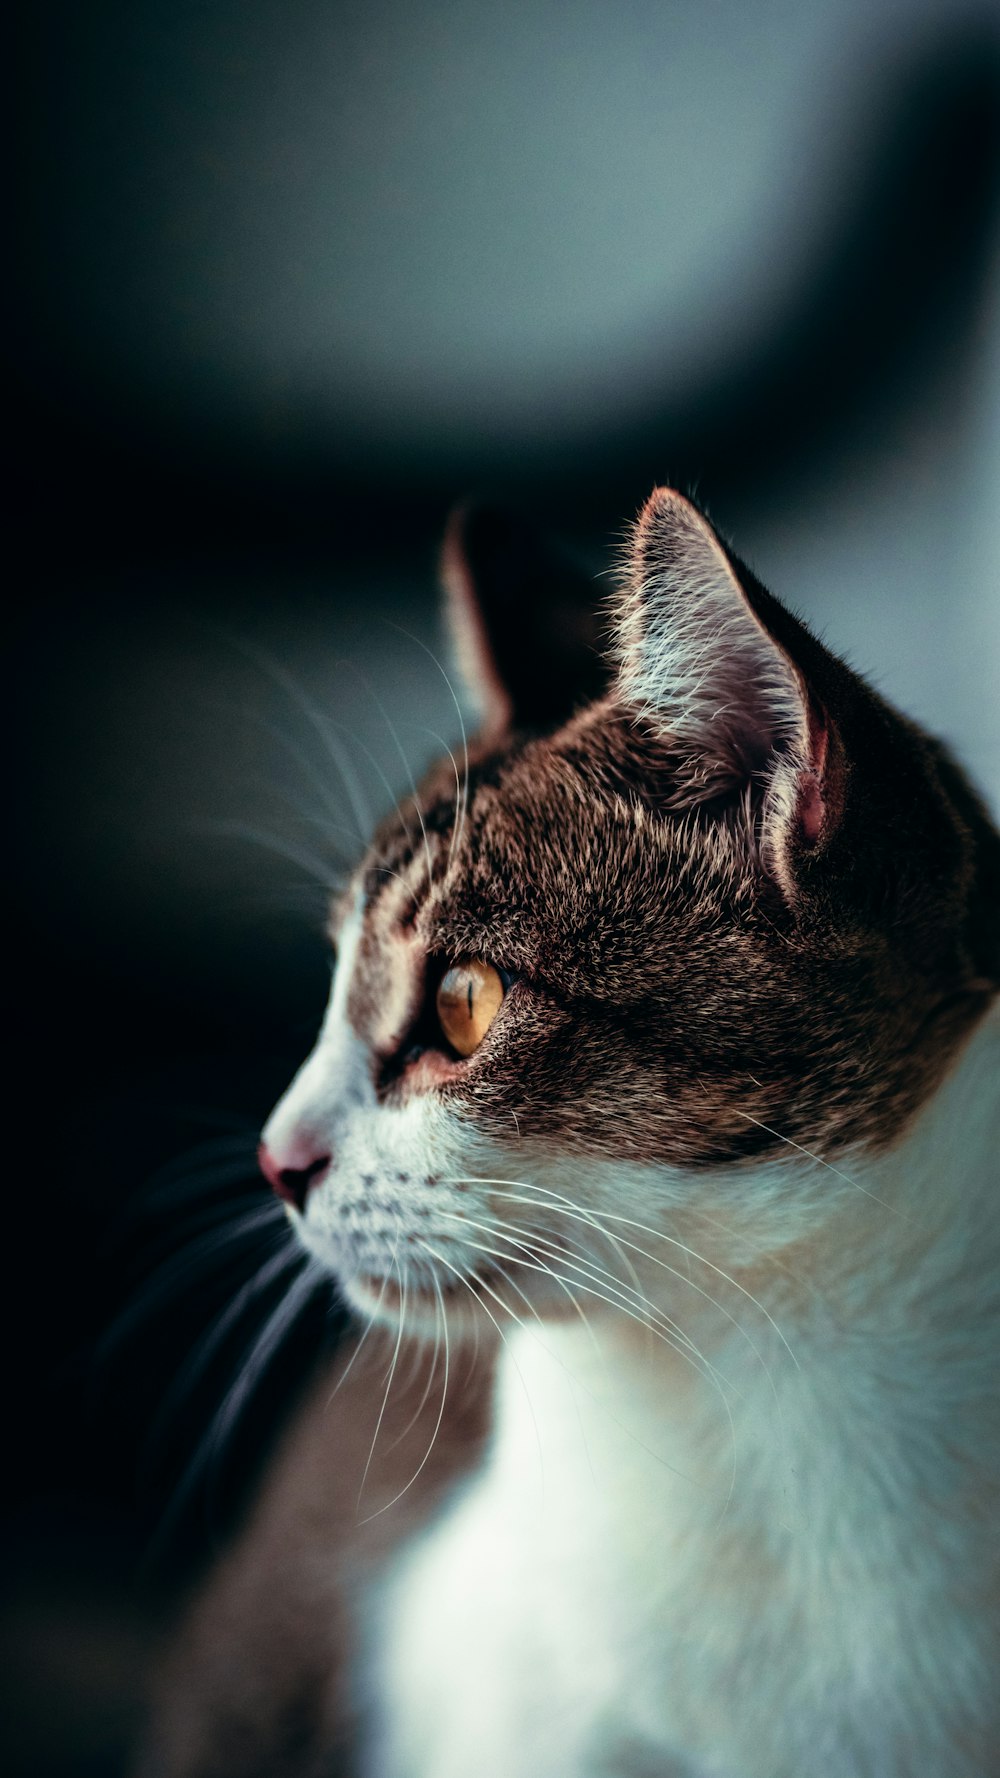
x: 293, y: 1184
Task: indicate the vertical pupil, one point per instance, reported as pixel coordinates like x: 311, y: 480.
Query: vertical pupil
x: 468, y: 999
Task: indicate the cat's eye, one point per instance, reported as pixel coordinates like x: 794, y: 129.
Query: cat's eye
x: 468, y: 1000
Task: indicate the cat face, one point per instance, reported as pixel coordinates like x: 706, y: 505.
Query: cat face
x: 711, y: 910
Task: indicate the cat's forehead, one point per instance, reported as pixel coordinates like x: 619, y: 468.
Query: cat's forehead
x: 555, y: 866
x: 733, y: 893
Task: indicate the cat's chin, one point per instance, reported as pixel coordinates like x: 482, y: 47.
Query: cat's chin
x: 420, y: 1305
x: 479, y: 1306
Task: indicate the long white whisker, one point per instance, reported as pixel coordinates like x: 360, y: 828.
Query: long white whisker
x: 240, y: 1140
x: 440, y: 1414
x: 432, y: 1371
x: 586, y: 1262
x: 487, y: 1311
x: 483, y: 1285
x: 192, y: 1182
x: 203, y: 1256
x: 624, y: 1297
x: 660, y: 1235
x: 267, y: 1343
x: 373, y: 761
x: 592, y: 1220
x: 700, y: 1259
x: 894, y: 1208
x: 383, y: 712
x: 280, y: 676
x: 576, y: 1382
x: 673, y: 1337
x: 196, y: 1363
x: 232, y: 709
x: 564, y: 1206
x: 268, y: 1340
x: 307, y: 860
x: 352, y: 1361
x: 442, y: 743
x: 401, y: 1274
x: 429, y: 652
x: 540, y: 1267
x: 584, y: 1214
x: 333, y: 809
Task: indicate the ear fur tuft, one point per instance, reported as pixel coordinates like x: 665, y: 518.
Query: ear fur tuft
x: 695, y: 661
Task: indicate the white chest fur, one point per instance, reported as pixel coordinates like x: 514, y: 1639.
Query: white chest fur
x: 776, y: 1567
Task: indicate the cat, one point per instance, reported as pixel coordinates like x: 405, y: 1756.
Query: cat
x: 655, y: 1119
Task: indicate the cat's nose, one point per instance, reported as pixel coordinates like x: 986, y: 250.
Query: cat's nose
x: 291, y: 1183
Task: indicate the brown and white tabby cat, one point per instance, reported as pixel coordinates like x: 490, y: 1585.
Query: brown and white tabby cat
x: 660, y: 1044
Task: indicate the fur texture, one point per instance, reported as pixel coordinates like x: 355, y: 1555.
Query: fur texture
x: 720, y: 1177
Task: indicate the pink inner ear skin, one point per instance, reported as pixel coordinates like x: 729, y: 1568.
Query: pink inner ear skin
x: 812, y: 799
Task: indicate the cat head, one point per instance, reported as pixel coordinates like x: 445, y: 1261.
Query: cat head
x: 694, y: 905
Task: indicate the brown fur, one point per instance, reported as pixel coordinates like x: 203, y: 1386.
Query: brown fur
x: 714, y: 977
x: 695, y: 995
x: 258, y: 1687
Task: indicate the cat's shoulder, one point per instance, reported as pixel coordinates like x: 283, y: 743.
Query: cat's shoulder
x: 258, y: 1680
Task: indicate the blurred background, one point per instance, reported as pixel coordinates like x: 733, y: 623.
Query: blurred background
x: 290, y: 281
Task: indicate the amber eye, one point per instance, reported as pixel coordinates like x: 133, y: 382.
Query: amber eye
x: 468, y: 1001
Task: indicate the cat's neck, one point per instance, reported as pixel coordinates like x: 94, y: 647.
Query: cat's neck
x: 875, y: 1330
x: 813, y: 1471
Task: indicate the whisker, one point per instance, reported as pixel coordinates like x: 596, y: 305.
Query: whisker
x: 626, y: 1298
x: 423, y: 730
x: 429, y: 652
x: 564, y: 1206
x: 576, y: 1382
x: 197, y: 1363
x: 422, y: 1403
x: 232, y: 710
x: 661, y: 1235
x: 280, y: 676
x: 288, y: 849
x: 674, y: 1337
x: 440, y: 1414
x: 196, y: 1259
x: 316, y: 778
x: 352, y: 1361
x: 573, y: 1381
x: 487, y: 1311
x: 383, y: 712
x: 165, y: 1227
x: 327, y: 825
x: 195, y: 1182
x: 240, y: 1134
x: 401, y: 1275
x: 894, y: 1208
x: 589, y: 1265
x: 209, y: 1449
x: 585, y: 1215
x: 479, y: 1247
x: 355, y: 740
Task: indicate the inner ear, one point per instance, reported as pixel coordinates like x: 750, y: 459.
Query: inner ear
x: 717, y: 669
x: 694, y: 655
x: 523, y: 618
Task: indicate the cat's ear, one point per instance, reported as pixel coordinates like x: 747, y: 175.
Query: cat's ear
x: 523, y: 619
x: 713, y: 664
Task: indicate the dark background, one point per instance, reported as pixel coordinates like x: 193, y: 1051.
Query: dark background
x: 290, y: 281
